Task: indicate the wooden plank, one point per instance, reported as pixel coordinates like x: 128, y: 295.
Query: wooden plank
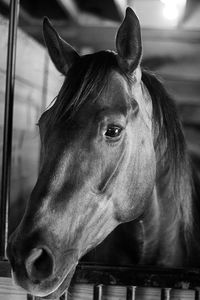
x: 4, y: 41
x: 80, y: 292
x: 190, y: 113
x: 149, y: 279
x: 84, y: 292
x: 37, y: 83
x: 148, y: 293
x: 5, y: 270
x: 32, y: 67
x: 9, y: 291
x: 29, y: 65
x: 183, y: 294
x: 114, y: 292
x: 101, y: 36
x: 183, y: 91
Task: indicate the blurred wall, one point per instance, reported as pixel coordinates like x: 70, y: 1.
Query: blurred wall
x: 37, y: 83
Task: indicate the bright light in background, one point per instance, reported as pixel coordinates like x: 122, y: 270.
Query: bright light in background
x: 173, y: 10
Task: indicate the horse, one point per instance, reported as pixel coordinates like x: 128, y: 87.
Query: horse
x: 113, y: 154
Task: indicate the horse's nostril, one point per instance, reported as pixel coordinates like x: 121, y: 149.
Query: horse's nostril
x: 39, y: 264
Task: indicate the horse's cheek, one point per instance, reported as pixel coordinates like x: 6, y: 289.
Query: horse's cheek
x: 137, y: 183
x: 147, y: 172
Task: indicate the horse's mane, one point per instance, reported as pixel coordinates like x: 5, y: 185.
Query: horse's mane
x: 166, y: 118
x: 177, y: 165
x: 169, y: 143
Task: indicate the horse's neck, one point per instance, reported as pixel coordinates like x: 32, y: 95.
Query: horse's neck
x: 175, y: 195
x: 163, y: 224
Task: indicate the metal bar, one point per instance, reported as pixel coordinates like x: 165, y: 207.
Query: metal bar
x: 197, y: 294
x: 130, y: 292
x: 29, y: 297
x: 8, y: 122
x: 98, y: 292
x: 165, y: 294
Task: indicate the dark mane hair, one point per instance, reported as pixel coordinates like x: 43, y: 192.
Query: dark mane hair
x: 175, y: 159
x: 165, y: 116
x: 87, y: 77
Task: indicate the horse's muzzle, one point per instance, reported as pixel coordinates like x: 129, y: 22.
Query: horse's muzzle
x: 35, y: 266
x: 36, y: 270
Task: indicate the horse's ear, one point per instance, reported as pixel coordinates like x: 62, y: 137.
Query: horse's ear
x: 128, y: 42
x: 62, y: 54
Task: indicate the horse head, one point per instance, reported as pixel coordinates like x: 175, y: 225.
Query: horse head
x: 97, y: 165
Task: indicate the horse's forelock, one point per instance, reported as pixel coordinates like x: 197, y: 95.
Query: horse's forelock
x: 86, y: 79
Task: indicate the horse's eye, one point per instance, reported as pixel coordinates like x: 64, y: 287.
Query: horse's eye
x: 113, y: 131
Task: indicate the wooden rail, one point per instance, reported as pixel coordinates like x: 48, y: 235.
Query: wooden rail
x: 131, y: 282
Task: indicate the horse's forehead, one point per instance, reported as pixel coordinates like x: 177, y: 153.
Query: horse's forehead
x: 118, y: 81
x: 117, y: 90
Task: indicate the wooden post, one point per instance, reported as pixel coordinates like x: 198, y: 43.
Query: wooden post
x: 98, y: 292
x: 165, y: 293
x: 197, y: 293
x: 130, y: 293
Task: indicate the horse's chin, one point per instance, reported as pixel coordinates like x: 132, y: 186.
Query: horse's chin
x: 62, y: 287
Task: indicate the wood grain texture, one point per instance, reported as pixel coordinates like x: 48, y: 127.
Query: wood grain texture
x: 9, y: 291
x: 37, y: 80
x: 148, y: 280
